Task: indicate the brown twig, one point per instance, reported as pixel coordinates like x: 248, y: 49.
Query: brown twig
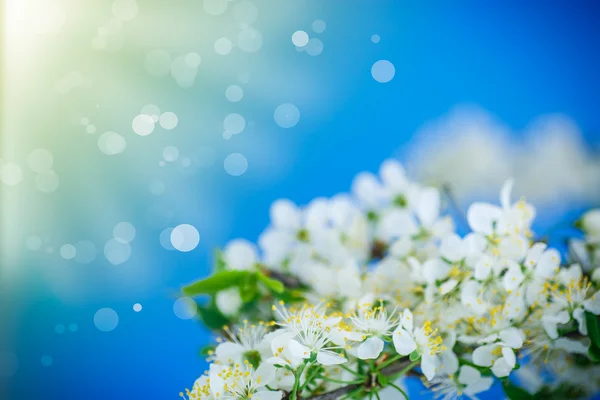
x: 290, y: 282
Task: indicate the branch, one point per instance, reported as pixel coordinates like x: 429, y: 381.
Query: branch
x: 390, y: 370
x: 290, y: 282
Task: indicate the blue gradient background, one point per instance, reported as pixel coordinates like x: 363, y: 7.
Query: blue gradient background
x: 516, y: 60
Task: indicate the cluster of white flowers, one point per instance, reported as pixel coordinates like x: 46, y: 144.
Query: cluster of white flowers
x: 379, y: 285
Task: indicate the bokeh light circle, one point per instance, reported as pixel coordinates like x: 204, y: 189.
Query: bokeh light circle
x: 143, y: 124
x: 111, y: 143
x: 223, y: 46
x: 137, y: 307
x: 34, y: 243
x: 286, y: 115
x: 319, y: 26
x: 383, y: 71
x: 170, y: 153
x: 151, y: 110
x: 11, y: 174
x: 375, y: 38
x: 185, y: 238
x: 91, y: 129
x: 249, y: 40
x: 185, y: 308
x: 165, y: 239
x: 215, y: 7
x: 234, y: 123
x: 124, y: 231
x: 68, y: 251
x: 40, y: 161
x: 245, y: 12
x: 168, y: 120
x: 234, y: 93
x: 300, y: 38
x: 314, y: 47
x: 235, y: 164
x: 106, y: 319
x: 193, y: 60
x: 73, y: 327
x: 117, y: 252
x: 47, y: 182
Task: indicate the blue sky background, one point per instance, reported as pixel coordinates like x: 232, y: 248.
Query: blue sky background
x: 516, y: 60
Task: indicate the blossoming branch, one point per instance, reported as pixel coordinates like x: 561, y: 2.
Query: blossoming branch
x: 346, y: 297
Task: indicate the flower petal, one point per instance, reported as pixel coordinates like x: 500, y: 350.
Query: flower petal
x: 468, y: 375
x: 367, y: 189
x: 370, y: 348
x: 484, y: 383
x: 229, y: 352
x: 298, y: 350
x: 481, y: 217
x: 593, y: 303
x: 501, y: 368
x: 448, y: 286
x: 434, y: 270
x: 217, y: 383
x: 534, y: 254
x: 572, y: 346
x: 403, y: 342
x: 268, y: 395
x: 513, y: 277
x: 407, y: 320
x: 452, y: 248
x: 428, y: 207
x: 483, y: 267
x: 548, y: 263
x: 327, y: 357
x: 316, y: 213
x: 263, y: 374
x: 482, y: 356
x: 285, y: 215
x: 240, y: 254
x: 505, y: 193
x: 513, y: 337
x: 429, y: 365
x: 448, y: 362
x: 509, y: 356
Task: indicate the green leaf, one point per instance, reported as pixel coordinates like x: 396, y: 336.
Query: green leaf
x: 215, y: 283
x: 383, y: 380
x: 414, y: 356
x: 273, y: 284
x: 514, y: 392
x: 207, y: 350
x: 594, y: 353
x: 593, y: 328
x: 220, y: 264
x: 249, y: 288
x: 212, y: 317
